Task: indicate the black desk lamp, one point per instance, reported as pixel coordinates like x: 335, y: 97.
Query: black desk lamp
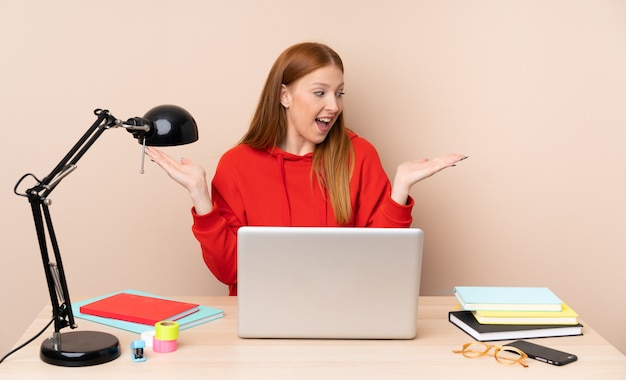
x: 165, y: 125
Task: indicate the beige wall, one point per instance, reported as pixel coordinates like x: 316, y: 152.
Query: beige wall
x: 533, y: 91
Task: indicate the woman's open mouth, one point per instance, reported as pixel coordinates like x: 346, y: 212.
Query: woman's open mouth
x: 323, y: 123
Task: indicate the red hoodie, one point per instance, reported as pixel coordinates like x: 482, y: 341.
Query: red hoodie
x: 275, y: 188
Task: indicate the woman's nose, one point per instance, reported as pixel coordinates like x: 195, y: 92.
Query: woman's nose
x: 333, y: 103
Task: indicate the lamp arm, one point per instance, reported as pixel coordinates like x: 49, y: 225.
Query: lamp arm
x: 38, y: 198
x: 55, y: 275
x: 104, y: 121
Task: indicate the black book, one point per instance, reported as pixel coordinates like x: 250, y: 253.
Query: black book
x: 464, y: 320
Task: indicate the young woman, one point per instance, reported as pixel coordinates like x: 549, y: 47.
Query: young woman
x: 298, y: 165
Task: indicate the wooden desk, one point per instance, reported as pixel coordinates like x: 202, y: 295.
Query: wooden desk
x: 214, y: 351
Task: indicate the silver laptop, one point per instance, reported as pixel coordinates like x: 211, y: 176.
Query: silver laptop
x: 328, y: 283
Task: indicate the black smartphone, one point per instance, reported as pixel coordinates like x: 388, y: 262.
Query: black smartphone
x: 543, y: 353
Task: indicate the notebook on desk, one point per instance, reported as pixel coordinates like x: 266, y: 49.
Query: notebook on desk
x: 328, y: 283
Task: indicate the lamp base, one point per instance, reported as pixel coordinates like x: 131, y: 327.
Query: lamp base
x: 80, y: 348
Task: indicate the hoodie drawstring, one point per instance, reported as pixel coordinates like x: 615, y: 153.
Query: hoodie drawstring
x: 286, y: 205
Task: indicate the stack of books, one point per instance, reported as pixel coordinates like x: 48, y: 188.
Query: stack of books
x: 137, y: 311
x: 503, y: 313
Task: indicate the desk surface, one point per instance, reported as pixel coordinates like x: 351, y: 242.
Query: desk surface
x: 214, y: 351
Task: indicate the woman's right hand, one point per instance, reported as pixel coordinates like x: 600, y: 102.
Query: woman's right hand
x: 189, y: 175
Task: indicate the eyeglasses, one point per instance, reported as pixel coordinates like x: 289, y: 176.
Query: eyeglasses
x: 504, y: 355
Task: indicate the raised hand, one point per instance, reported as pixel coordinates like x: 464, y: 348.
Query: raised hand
x: 188, y: 174
x: 411, y: 172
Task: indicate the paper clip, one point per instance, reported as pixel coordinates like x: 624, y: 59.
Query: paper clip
x: 136, y: 350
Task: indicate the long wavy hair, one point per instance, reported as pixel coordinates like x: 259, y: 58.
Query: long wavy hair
x: 333, y: 159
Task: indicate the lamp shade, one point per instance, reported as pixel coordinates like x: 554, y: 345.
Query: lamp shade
x: 171, y: 125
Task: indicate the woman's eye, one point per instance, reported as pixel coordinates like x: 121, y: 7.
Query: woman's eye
x: 340, y: 94
x: 319, y: 93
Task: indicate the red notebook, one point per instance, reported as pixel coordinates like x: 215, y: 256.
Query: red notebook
x: 139, y: 309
